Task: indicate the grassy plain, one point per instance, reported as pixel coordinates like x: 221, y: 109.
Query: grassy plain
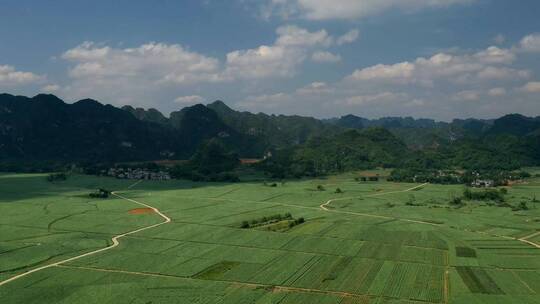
x: 374, y: 243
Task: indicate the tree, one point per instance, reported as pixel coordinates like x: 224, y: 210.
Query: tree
x: 212, y: 162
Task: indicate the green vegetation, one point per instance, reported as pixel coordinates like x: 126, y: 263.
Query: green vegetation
x: 270, y: 221
x: 53, y: 177
x: 211, y: 163
x: 485, y: 195
x: 465, y: 252
x: 359, y: 251
x: 100, y: 193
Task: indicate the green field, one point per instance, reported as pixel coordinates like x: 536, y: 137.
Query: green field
x: 367, y: 245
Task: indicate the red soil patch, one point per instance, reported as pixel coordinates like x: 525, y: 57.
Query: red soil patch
x: 141, y: 211
x: 248, y: 161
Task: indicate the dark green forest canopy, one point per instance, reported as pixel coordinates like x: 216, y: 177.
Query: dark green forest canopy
x: 46, y: 132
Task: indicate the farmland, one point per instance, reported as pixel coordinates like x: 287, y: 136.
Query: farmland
x: 375, y: 242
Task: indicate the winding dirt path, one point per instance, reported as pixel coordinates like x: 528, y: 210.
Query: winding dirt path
x: 327, y: 204
x: 115, y: 240
x: 525, y: 239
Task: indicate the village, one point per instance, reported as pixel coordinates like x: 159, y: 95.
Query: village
x: 138, y: 173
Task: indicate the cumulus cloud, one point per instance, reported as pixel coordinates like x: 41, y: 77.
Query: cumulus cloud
x: 187, y: 100
x: 263, y: 62
x: 127, y: 75
x: 51, y: 88
x: 348, y: 9
x: 484, y: 65
x: 281, y: 59
x: 348, y: 37
x: 325, y: 57
x: 469, y: 95
x: 446, y: 85
x: 136, y: 75
x: 530, y: 43
x: 372, y: 99
x: 496, y: 92
x: 9, y: 77
x: 494, y: 54
x: 156, y: 62
x: 315, y: 88
x: 433, y: 85
x: 292, y: 35
x: 400, y: 72
x: 532, y: 87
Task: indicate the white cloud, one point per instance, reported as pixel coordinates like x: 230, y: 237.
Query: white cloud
x: 292, y: 35
x: 264, y: 62
x: 469, y: 95
x: 494, y: 54
x: 399, y: 71
x: 129, y: 75
x: 452, y: 84
x: 154, y: 62
x: 532, y: 87
x: 349, y: 9
x: 496, y: 92
x: 481, y: 66
x: 325, y: 57
x: 136, y: 75
x: 191, y: 99
x: 530, y: 43
x: 281, y: 59
x: 9, y: 76
x: 315, y: 88
x: 51, y: 88
x: 502, y: 73
x: 348, y: 37
x: 372, y: 99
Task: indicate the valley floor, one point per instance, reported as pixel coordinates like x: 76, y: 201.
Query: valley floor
x: 377, y: 242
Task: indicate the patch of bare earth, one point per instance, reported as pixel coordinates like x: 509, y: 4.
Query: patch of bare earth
x: 141, y: 211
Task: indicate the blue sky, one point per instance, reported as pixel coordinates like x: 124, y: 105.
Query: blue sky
x: 442, y: 59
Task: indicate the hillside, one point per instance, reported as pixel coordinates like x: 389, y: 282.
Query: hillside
x: 45, y: 128
x: 275, y: 130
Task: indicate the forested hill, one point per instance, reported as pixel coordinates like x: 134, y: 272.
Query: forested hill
x: 45, y: 128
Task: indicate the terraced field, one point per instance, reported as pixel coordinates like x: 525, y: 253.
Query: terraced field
x: 365, y: 246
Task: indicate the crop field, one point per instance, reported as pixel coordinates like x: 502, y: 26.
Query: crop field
x: 182, y: 242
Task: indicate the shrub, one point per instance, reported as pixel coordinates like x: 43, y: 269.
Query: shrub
x: 100, y: 193
x: 266, y: 220
x: 338, y: 190
x: 486, y: 195
x: 53, y: 177
x: 320, y: 188
x: 522, y: 206
x: 456, y: 201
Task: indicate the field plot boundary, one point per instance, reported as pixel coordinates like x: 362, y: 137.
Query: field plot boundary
x: 114, y: 239
x: 327, y: 204
x: 274, y: 287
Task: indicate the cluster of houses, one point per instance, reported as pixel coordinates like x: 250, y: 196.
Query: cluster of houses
x: 138, y: 173
x: 483, y: 183
x: 480, y: 182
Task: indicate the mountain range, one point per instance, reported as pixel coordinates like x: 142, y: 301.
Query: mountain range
x: 45, y: 128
